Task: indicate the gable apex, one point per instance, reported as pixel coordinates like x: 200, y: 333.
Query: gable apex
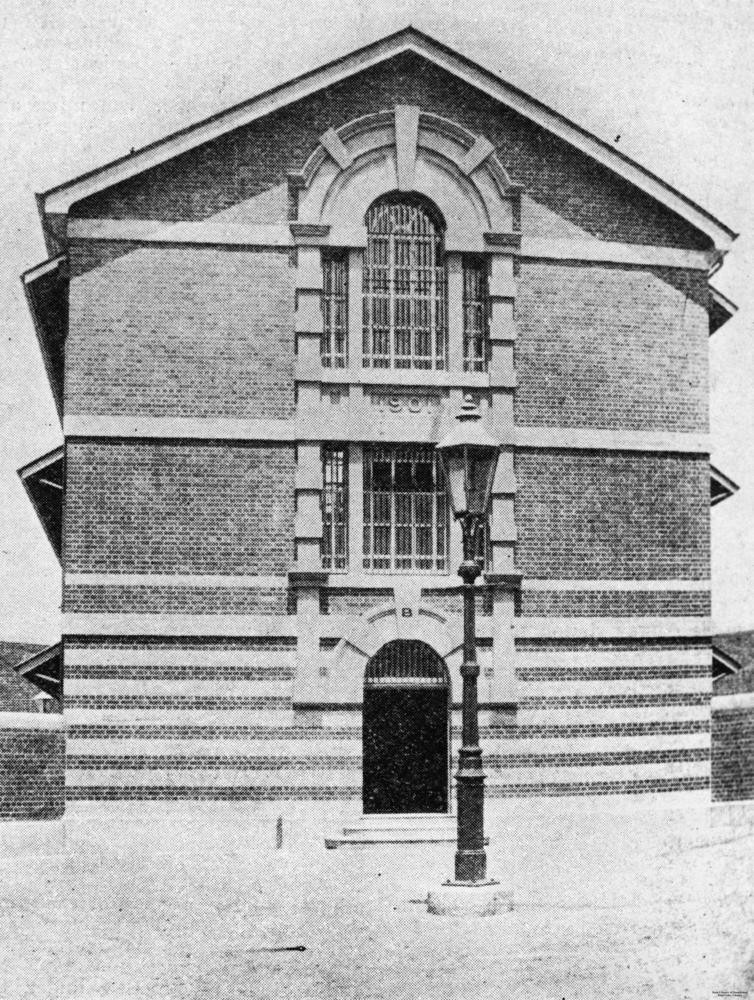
x: 58, y: 200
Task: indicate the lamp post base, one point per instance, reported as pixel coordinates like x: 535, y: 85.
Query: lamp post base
x: 470, y: 899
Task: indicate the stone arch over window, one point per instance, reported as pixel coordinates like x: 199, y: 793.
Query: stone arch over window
x: 409, y: 151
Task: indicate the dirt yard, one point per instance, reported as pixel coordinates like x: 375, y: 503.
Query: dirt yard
x: 195, y: 901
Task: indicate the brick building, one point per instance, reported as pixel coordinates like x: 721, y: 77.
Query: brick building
x: 257, y: 329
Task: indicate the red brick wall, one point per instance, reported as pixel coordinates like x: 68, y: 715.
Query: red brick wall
x: 591, y: 515
x: 32, y: 767
x: 256, y: 158
x: 169, y: 507
x: 606, y: 346
x: 614, y: 603
x: 732, y: 753
x: 180, y: 331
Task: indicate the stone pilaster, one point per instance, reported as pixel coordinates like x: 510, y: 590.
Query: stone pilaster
x: 499, y: 684
x: 307, y: 575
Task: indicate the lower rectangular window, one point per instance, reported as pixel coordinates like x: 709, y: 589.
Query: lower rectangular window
x: 405, y: 511
x: 334, y: 507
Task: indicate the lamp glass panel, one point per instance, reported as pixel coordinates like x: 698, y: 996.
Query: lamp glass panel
x: 454, y: 465
x: 480, y: 472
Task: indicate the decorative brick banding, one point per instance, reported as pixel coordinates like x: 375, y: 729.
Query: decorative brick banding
x: 177, y: 600
x: 187, y: 643
x: 637, y: 787
x: 173, y: 701
x: 611, y: 673
x: 233, y: 673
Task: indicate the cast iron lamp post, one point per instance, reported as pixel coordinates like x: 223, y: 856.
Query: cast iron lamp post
x: 469, y: 455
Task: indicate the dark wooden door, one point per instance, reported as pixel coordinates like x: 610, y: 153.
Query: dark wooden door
x: 405, y: 750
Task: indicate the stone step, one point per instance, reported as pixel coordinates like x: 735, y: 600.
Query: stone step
x: 390, y: 821
x: 402, y: 828
x: 411, y: 835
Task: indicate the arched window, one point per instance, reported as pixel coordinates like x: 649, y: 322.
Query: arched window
x: 405, y: 285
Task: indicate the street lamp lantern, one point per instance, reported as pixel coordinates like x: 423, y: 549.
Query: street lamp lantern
x: 469, y: 454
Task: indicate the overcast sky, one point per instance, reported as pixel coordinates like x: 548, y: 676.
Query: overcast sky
x: 85, y: 81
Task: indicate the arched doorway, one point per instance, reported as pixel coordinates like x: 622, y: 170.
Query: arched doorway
x: 405, y: 730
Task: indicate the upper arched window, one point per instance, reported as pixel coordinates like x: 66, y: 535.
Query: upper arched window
x: 405, y: 285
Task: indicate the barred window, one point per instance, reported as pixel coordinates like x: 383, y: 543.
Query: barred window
x: 405, y: 286
x: 334, y: 507
x: 335, y: 307
x: 405, y: 510
x: 476, y: 342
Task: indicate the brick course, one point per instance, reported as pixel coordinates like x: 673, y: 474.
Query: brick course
x: 76, y: 642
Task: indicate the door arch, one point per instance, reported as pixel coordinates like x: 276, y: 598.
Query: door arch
x: 406, y: 722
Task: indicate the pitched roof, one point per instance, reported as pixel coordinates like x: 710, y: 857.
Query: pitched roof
x: 59, y: 199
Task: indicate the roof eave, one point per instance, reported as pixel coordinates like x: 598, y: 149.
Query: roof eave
x: 731, y: 664
x: 727, y: 487
x: 28, y: 474
x: 723, y: 309
x: 27, y: 279
x: 29, y: 668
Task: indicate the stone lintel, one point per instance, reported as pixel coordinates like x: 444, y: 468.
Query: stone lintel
x: 510, y: 241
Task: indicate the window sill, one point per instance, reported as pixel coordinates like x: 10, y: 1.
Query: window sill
x: 410, y: 377
x: 387, y: 581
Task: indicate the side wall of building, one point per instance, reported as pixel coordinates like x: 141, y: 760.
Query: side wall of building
x: 733, y: 747
x: 32, y: 766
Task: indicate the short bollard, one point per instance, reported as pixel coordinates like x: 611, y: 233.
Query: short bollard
x: 279, y: 833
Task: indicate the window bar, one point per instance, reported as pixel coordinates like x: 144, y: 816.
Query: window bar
x: 334, y: 508
x: 475, y: 315
x: 335, y: 306
x: 405, y: 309
x: 405, y: 511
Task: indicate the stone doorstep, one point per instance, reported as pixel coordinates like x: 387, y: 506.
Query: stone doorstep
x: 400, y: 828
